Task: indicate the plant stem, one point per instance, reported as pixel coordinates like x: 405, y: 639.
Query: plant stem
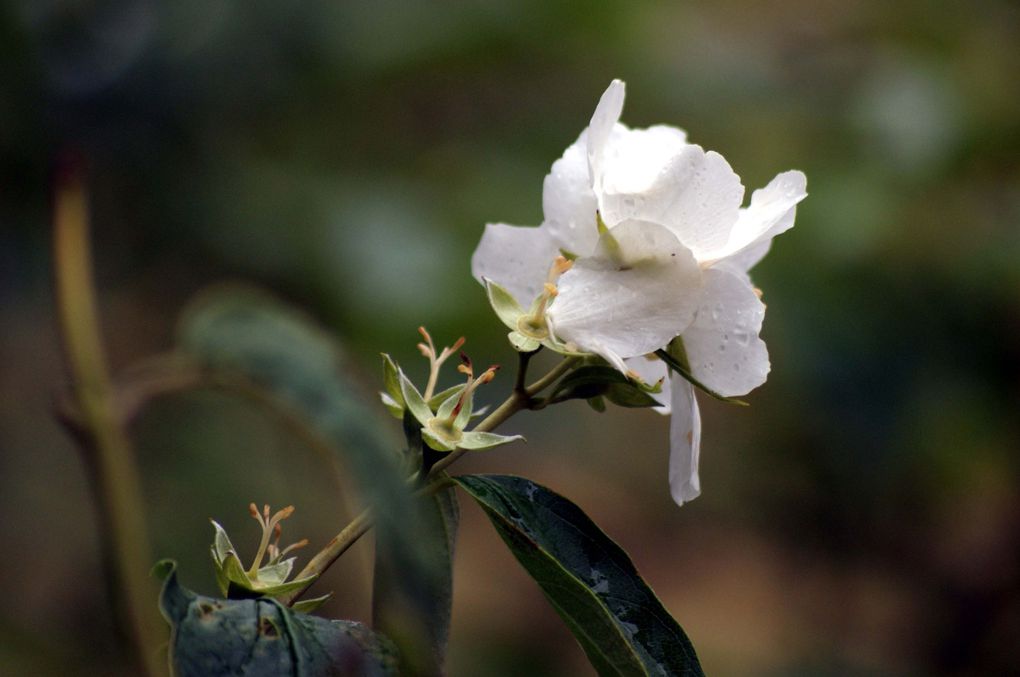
x: 98, y: 428
x: 359, y: 526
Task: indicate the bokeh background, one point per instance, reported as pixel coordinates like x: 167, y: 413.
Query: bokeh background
x: 861, y: 517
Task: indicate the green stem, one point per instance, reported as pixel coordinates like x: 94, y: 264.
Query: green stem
x: 98, y: 428
x: 359, y: 526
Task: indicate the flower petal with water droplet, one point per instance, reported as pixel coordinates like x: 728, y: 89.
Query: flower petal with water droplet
x: 722, y: 344
x: 638, y: 291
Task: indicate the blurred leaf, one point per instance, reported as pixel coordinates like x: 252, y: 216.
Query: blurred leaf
x: 390, y: 607
x: 588, y: 579
x: 256, y: 637
x: 248, y: 332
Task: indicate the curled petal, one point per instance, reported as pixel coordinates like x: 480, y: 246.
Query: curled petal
x: 603, y: 121
x: 684, y: 442
x: 771, y: 212
x: 722, y: 344
x: 518, y: 258
x: 637, y: 292
x: 696, y: 194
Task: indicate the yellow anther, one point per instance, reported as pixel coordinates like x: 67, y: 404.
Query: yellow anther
x: 550, y: 289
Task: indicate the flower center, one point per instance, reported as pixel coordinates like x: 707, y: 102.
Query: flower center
x: 534, y: 325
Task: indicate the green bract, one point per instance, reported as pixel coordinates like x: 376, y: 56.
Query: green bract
x: 443, y: 430
x: 269, y: 580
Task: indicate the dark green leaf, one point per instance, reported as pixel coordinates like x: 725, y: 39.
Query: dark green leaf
x: 261, y: 637
x: 422, y: 633
x: 587, y: 578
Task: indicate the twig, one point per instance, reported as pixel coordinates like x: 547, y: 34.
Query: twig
x: 520, y: 399
x: 98, y: 428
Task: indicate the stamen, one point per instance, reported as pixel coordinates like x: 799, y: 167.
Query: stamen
x: 294, y: 546
x: 254, y: 511
x: 428, y: 339
x: 270, y: 526
x: 550, y: 289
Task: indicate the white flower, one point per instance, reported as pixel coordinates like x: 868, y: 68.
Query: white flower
x: 662, y: 249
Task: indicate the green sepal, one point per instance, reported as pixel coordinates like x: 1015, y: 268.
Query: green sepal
x: 436, y: 442
x: 436, y: 400
x: 392, y: 396
x: 275, y: 574
x: 282, y: 588
x: 522, y: 343
x: 507, y: 309
x: 597, y: 403
x: 481, y: 441
x: 445, y: 409
x: 307, y: 606
x: 235, y: 583
x: 464, y: 415
x: 675, y: 355
x: 413, y: 400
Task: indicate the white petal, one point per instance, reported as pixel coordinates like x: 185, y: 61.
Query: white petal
x: 652, y: 370
x: 634, y: 159
x: 771, y: 212
x: 747, y: 258
x: 696, y: 194
x: 722, y: 344
x: 684, y: 442
x: 568, y: 202
x: 515, y: 257
x: 638, y: 291
x: 606, y: 115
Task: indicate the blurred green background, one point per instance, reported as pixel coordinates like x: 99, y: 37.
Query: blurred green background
x: 861, y: 517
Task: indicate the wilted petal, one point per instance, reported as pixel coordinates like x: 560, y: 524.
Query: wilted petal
x: 771, y: 212
x: 684, y: 442
x: 638, y: 291
x: 518, y: 258
x: 722, y: 344
x: 568, y: 202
